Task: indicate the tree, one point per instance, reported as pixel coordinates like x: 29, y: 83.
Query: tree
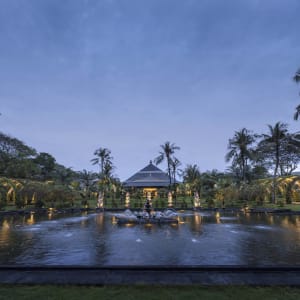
x: 192, y: 177
x: 240, y: 151
x: 168, y: 149
x: 296, y: 78
x: 175, y: 164
x: 279, y: 149
x: 15, y: 157
x: 290, y: 156
x: 87, y: 180
x: 103, y: 157
x: 46, y: 164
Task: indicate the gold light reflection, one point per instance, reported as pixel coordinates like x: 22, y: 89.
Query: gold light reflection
x: 198, y: 219
x: 218, y: 217
x: 5, y: 232
x: 287, y: 223
x: 114, y: 220
x: 5, y: 226
x: 31, y: 221
x: 100, y: 219
x: 271, y: 219
x: 51, y: 211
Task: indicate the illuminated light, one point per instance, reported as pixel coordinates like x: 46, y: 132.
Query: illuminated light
x: 197, y: 203
x: 129, y: 225
x: 100, y: 202
x: 170, y: 200
x: 127, y: 200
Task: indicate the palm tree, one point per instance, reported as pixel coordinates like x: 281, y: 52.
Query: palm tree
x: 192, y: 177
x: 272, y: 148
x: 87, y: 180
x: 239, y: 150
x: 175, y: 164
x: 296, y: 78
x: 168, y: 150
x: 103, y: 156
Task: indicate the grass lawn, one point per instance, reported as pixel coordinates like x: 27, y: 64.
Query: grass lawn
x: 8, y: 292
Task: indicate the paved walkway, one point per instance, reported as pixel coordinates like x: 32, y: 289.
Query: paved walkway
x: 160, y: 275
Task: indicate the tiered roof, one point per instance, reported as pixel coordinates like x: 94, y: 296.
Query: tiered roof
x: 150, y: 176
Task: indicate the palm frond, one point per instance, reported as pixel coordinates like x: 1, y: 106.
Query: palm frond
x: 297, y: 76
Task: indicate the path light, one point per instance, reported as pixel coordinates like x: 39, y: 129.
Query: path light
x: 100, y: 200
x: 170, y: 200
x: 196, y: 200
x: 149, y: 196
x: 127, y: 200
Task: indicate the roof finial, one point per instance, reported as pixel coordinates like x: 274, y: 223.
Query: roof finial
x: 150, y: 162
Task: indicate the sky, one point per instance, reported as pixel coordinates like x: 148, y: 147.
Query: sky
x: 129, y: 75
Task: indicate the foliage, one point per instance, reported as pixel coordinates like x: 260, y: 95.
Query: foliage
x: 166, y: 153
x: 147, y: 292
x: 17, y: 160
x: 22, y: 193
x: 192, y: 178
x: 296, y: 78
x: 240, y: 152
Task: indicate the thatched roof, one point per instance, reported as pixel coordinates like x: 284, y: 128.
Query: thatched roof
x: 150, y: 176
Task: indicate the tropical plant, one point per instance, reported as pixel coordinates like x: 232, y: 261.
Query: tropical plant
x: 279, y: 149
x: 175, y: 170
x: 167, y: 150
x: 240, y: 151
x: 192, y: 178
x: 103, y: 156
x: 15, y: 157
x: 46, y: 164
x: 87, y: 181
x: 296, y: 78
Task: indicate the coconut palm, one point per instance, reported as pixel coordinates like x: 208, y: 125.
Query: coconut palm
x: 192, y: 177
x: 272, y: 148
x: 87, y: 180
x: 175, y: 164
x: 296, y: 78
x: 103, y: 156
x: 168, y: 149
x: 240, y: 151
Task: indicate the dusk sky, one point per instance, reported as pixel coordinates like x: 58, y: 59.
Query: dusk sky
x: 129, y: 75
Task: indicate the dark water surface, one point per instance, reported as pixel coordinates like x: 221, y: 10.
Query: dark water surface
x: 210, y: 238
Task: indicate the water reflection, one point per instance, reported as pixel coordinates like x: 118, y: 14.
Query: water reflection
x: 198, y: 238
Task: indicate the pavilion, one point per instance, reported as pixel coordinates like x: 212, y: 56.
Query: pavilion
x: 149, y: 179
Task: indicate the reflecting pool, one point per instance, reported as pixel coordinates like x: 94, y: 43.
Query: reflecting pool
x: 200, y: 238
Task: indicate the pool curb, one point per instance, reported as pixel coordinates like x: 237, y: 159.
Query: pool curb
x: 152, y: 275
